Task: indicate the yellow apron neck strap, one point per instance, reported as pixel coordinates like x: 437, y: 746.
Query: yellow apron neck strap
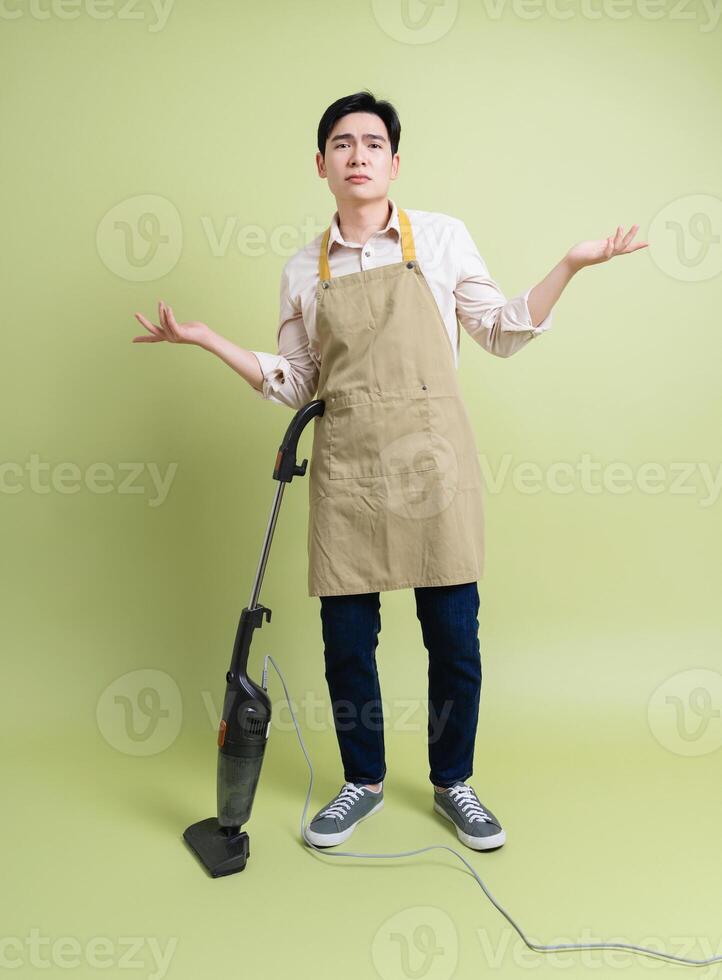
x: 323, y: 269
x: 407, y: 239
x: 408, y: 249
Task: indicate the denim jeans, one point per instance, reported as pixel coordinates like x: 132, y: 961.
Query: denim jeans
x: 449, y: 626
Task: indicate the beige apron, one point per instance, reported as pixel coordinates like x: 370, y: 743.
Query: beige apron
x: 395, y: 488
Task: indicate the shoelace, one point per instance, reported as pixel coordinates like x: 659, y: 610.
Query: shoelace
x: 468, y: 802
x: 348, y: 795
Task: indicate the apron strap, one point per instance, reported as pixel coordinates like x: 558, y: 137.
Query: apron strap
x: 407, y: 239
x: 408, y: 249
x: 323, y: 270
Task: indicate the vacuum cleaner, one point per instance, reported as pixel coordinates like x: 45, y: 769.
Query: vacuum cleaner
x: 220, y: 844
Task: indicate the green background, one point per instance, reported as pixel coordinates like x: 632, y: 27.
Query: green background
x: 599, y: 739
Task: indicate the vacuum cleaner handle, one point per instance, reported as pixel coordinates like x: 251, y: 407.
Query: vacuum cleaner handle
x: 286, y: 468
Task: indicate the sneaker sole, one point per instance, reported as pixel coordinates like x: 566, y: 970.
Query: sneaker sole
x: 328, y: 840
x: 477, y: 843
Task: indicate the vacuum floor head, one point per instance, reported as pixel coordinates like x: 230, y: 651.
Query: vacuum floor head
x: 221, y: 850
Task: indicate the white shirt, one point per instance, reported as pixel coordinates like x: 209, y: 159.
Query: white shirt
x: 454, y: 269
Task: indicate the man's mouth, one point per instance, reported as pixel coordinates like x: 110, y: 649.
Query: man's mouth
x: 358, y: 178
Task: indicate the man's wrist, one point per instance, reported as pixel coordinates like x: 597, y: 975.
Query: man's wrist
x: 207, y: 339
x: 570, y: 267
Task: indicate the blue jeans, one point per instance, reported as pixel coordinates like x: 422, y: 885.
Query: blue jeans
x: 449, y: 624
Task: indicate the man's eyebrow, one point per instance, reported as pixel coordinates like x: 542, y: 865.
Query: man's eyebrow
x: 349, y: 136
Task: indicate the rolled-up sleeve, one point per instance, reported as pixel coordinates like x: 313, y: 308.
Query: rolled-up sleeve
x: 290, y: 377
x: 499, y: 325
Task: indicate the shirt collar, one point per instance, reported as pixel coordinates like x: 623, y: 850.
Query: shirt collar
x: 392, y: 223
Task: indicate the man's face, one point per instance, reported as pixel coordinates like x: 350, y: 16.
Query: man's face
x: 358, y: 144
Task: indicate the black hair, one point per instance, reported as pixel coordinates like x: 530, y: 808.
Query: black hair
x: 363, y: 101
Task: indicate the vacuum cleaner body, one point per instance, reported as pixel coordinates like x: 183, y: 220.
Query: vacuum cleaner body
x: 242, y: 738
x: 245, y: 725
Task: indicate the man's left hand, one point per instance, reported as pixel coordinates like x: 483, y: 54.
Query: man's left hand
x: 592, y: 252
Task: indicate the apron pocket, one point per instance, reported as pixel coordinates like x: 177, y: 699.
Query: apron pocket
x: 380, y: 438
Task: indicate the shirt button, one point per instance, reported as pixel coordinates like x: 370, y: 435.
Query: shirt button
x: 367, y: 253
x: 325, y: 285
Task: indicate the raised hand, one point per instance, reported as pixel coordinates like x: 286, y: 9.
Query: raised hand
x: 192, y: 332
x: 592, y: 252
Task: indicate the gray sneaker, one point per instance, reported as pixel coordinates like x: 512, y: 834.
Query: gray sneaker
x: 337, y: 821
x: 476, y: 826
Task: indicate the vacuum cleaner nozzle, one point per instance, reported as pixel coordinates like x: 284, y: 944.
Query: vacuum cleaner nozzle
x: 221, y: 850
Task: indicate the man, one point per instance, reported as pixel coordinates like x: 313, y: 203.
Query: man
x: 369, y: 322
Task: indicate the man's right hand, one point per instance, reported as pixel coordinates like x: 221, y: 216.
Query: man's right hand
x: 192, y: 332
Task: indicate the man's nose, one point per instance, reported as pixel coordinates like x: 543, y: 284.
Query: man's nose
x: 357, y: 157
